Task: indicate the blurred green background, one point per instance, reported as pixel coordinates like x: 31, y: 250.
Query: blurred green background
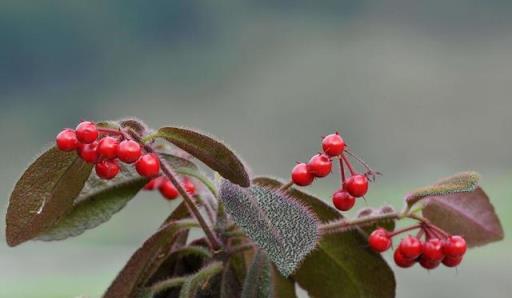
x: 420, y: 89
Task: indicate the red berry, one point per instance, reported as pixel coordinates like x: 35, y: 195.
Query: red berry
x: 88, y: 152
x: 128, y: 151
x: 333, y: 144
x: 301, y: 176
x: 452, y: 261
x: 410, y: 247
x: 107, y: 147
x: 107, y: 169
x: 401, y: 260
x: 168, y: 190
x: 320, y: 165
x: 454, y: 246
x: 357, y: 185
x: 66, y: 140
x: 189, y: 186
x: 154, y: 183
x: 86, y: 132
x: 433, y: 249
x: 428, y: 263
x: 148, y: 166
x: 379, y: 240
x: 343, y: 201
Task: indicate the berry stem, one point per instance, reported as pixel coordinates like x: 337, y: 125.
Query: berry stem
x: 214, y: 242
x: 342, y: 172
x: 349, y: 165
x: 397, y: 232
x: 361, y: 161
x: 286, y: 186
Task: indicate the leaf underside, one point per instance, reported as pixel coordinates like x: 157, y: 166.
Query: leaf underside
x: 213, y: 153
x: 280, y: 225
x: 468, y: 214
x: 342, y: 265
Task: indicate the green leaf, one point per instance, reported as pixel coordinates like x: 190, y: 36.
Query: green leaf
x: 44, y: 194
x: 212, y: 152
x: 279, y: 224
x: 230, y: 284
x: 200, y: 280
x: 282, y: 287
x: 342, y: 265
x: 468, y: 214
x: 461, y: 182
x: 146, y: 260
x: 134, y: 124
x: 257, y: 280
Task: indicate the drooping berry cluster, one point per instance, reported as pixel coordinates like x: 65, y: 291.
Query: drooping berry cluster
x: 320, y: 165
x: 437, y: 247
x: 106, y: 147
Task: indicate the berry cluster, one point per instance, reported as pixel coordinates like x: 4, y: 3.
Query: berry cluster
x: 104, y: 147
x: 437, y: 247
x: 320, y: 165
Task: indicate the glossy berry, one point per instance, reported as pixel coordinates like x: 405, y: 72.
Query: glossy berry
x: 154, y: 183
x: 148, y: 166
x: 452, y: 261
x: 357, y: 185
x: 129, y: 151
x: 379, y: 240
x: 189, y: 186
x: 401, y: 260
x: 428, y: 263
x: 66, y: 140
x: 107, y: 169
x: 454, y: 246
x: 333, y: 144
x: 410, y: 247
x: 433, y: 249
x: 107, y: 147
x: 168, y: 190
x: 343, y: 201
x: 320, y: 165
x: 88, y: 152
x: 301, y: 176
x: 86, y: 132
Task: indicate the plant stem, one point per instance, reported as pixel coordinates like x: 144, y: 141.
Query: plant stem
x: 214, y: 242
x: 349, y: 165
x: 345, y: 224
x: 286, y: 186
x: 241, y: 248
x: 342, y: 172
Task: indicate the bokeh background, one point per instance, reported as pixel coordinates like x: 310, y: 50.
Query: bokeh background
x: 420, y: 89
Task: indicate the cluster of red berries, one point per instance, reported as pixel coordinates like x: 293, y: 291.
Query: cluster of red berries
x: 320, y: 165
x: 104, y: 147
x: 167, y: 189
x: 438, y: 247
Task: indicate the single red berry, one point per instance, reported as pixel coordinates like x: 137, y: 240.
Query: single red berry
x: 343, y: 201
x: 333, y: 144
x: 320, y: 165
x: 107, y: 147
x: 148, y: 165
x: 452, y: 261
x: 454, y: 246
x: 301, y: 176
x: 401, y: 260
x: 88, y: 152
x: 357, y: 185
x: 107, y: 169
x: 433, y: 249
x: 428, y: 263
x: 379, y: 240
x: 168, y: 190
x: 189, y: 186
x: 154, y: 183
x: 66, y: 140
x: 86, y: 132
x: 410, y: 247
x: 129, y: 151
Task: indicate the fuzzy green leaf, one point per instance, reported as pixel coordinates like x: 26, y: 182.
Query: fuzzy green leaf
x: 282, y: 287
x: 213, y: 153
x: 257, y: 281
x: 134, y: 124
x: 342, y: 265
x: 468, y: 214
x: 279, y: 224
x: 461, y: 182
x: 44, y: 194
x: 199, y: 281
x: 132, y: 278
